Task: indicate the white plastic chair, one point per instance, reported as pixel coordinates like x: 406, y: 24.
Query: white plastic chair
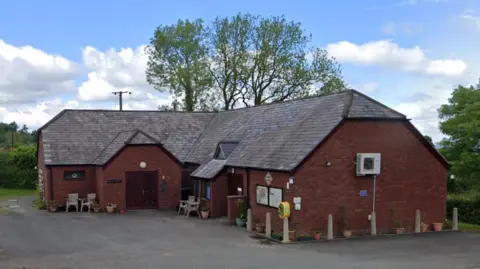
x: 88, y: 202
x: 184, y: 203
x: 193, y: 206
x: 12, y: 204
x: 72, y: 200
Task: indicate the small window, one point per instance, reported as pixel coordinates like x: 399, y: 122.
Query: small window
x: 224, y: 149
x: 74, y: 175
x: 205, y: 189
x: 368, y: 163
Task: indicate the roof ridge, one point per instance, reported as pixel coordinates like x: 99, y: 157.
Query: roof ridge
x: 139, y: 131
x: 106, y: 147
x: 377, y: 103
x: 199, y: 137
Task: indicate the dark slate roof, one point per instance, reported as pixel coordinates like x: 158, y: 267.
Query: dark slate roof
x: 209, y: 169
x: 280, y: 135
x: 93, y: 136
x: 276, y: 136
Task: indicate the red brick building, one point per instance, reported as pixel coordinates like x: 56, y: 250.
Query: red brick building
x: 303, y: 150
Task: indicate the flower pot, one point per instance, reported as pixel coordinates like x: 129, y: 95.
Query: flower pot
x: 205, y: 214
x: 424, y: 228
x: 347, y: 233
x: 399, y: 230
x: 260, y: 228
x: 110, y: 209
x: 291, y: 236
x: 241, y: 222
x: 317, y: 235
x: 97, y: 209
x: 52, y: 208
x: 437, y: 226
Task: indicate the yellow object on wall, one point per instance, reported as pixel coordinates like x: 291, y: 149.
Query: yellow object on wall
x: 284, y: 210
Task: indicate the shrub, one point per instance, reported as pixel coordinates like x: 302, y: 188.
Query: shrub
x: 240, y: 209
x: 468, y: 207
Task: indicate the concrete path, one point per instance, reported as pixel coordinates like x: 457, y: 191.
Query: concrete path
x: 154, y: 239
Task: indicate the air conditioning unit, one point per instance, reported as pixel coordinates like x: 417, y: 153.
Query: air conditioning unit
x: 368, y: 164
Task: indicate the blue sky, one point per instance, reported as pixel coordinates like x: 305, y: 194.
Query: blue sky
x: 406, y: 53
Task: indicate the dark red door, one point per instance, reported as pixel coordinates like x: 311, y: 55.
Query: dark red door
x: 150, y: 187
x: 235, y: 181
x: 141, y: 189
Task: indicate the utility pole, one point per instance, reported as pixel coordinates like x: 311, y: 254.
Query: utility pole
x: 120, y: 94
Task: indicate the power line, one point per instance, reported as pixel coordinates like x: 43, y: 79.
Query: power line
x: 120, y: 95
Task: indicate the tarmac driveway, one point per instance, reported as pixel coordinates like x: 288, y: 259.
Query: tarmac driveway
x: 154, y: 239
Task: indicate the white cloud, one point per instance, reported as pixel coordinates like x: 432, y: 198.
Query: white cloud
x: 122, y: 70
x: 35, y: 116
x: 475, y: 20
x: 28, y: 74
x: 386, y: 53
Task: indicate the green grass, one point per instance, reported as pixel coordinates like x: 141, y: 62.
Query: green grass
x: 465, y: 227
x: 6, y: 193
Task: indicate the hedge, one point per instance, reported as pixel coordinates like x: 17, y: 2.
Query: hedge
x: 468, y: 207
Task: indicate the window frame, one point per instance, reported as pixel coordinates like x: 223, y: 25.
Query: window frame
x: 82, y: 172
x: 268, y: 195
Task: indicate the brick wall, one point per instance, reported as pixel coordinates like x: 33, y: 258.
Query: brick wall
x: 129, y: 160
x: 62, y: 187
x: 411, y: 178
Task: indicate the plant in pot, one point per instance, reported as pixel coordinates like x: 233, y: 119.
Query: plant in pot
x: 344, y: 222
x: 52, y: 206
x: 260, y: 227
x: 204, y: 211
x: 317, y: 235
x: 399, y: 226
x: 96, y: 207
x: 437, y: 226
x: 241, y: 218
x: 111, y: 208
x: 423, y: 227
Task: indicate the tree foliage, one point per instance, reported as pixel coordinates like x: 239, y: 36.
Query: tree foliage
x: 243, y: 59
x: 178, y: 60
x: 460, y: 121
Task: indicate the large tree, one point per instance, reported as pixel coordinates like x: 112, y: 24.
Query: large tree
x: 178, y: 62
x: 240, y: 59
x: 280, y: 65
x: 460, y: 121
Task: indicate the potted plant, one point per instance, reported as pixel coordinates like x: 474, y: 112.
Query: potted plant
x: 260, y: 227
x: 344, y: 222
x: 292, y: 236
x: 423, y: 227
x: 96, y: 207
x: 52, y: 206
x: 204, y: 211
x: 241, y: 218
x: 317, y: 235
x: 437, y: 226
x: 111, y: 208
x: 399, y: 227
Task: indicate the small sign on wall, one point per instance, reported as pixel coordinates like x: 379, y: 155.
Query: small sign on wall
x: 363, y: 193
x: 114, y: 180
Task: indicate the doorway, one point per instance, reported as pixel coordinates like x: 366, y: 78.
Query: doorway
x: 235, y: 181
x: 141, y: 190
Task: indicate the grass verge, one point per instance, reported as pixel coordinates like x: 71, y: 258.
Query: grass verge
x: 465, y: 227
x: 6, y: 193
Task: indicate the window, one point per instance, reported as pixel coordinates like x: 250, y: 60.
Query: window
x: 269, y: 196
x: 74, y: 175
x: 224, y: 149
x: 205, y: 189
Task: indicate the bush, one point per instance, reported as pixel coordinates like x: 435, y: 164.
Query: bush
x: 22, y: 161
x: 468, y: 207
